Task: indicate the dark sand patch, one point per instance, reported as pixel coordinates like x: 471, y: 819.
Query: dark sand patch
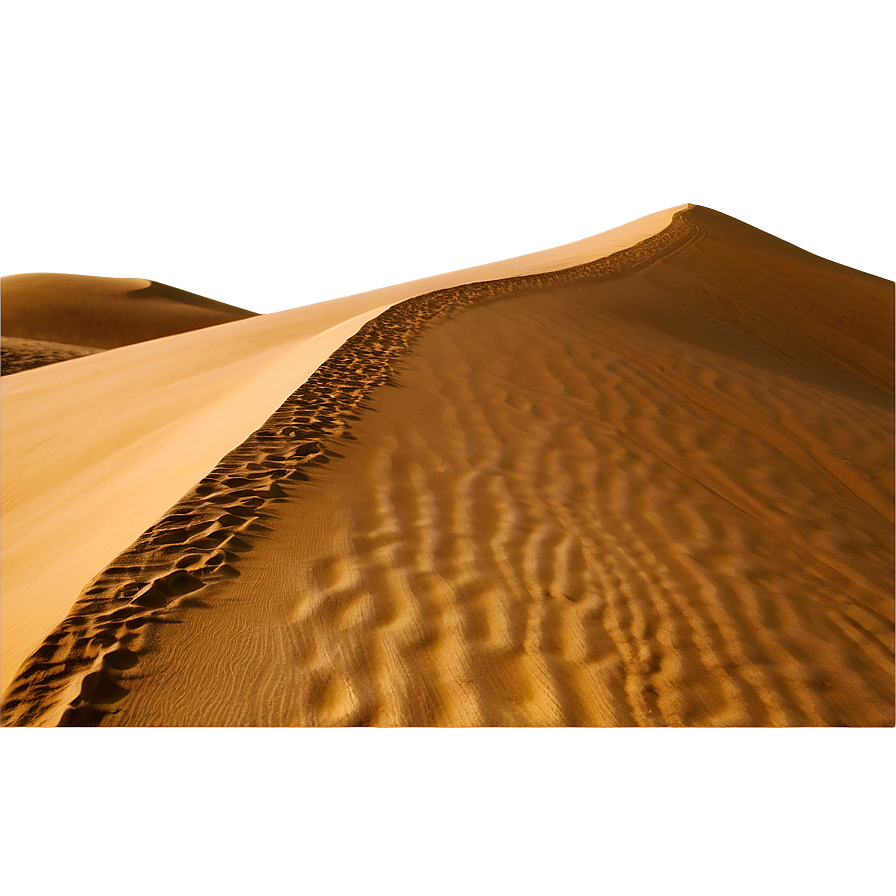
x: 104, y: 312
x: 18, y: 354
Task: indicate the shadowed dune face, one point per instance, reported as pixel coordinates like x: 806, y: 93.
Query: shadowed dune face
x: 648, y: 495
x: 792, y: 301
x: 103, y: 312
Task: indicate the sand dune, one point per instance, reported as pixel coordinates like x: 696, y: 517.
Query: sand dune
x: 654, y: 488
x: 104, y: 312
x: 95, y: 451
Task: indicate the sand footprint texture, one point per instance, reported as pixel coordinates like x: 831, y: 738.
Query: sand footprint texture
x: 653, y: 488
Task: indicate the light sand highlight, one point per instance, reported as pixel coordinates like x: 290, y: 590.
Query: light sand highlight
x: 646, y: 499
x: 96, y: 450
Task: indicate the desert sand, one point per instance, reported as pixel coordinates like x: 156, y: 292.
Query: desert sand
x: 18, y: 353
x: 47, y: 318
x: 643, y: 479
x: 121, y: 437
x: 104, y: 312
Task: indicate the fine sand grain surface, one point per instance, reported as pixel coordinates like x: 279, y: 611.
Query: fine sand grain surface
x: 652, y: 489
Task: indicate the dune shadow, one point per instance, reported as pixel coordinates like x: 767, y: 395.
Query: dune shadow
x: 157, y: 290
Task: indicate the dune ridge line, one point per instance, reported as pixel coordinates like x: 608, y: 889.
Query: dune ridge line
x: 160, y: 415
x: 73, y: 678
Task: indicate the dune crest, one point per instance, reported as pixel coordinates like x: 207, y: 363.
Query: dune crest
x: 175, y: 569
x: 158, y: 416
x: 652, y: 489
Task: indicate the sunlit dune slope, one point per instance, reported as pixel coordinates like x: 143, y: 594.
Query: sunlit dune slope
x: 103, y: 312
x: 653, y: 489
x: 96, y: 449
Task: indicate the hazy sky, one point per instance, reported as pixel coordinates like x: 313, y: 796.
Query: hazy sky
x: 283, y: 153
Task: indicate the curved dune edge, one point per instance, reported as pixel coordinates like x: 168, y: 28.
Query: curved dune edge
x: 118, y: 454
x: 97, y: 449
x: 604, y: 502
x: 198, y: 542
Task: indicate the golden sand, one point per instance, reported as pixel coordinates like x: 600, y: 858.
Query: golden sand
x: 18, y: 354
x: 120, y: 437
x: 104, y: 312
x: 652, y: 489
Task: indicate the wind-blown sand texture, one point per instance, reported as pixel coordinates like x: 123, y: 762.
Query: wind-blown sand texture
x: 122, y: 436
x: 651, y: 489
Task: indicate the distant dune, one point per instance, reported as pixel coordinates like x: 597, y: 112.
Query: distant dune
x: 48, y: 318
x: 645, y: 479
x: 120, y: 437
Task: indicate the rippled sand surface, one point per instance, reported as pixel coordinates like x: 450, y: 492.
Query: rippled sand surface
x: 654, y: 493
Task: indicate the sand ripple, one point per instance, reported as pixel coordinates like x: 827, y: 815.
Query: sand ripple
x: 589, y: 499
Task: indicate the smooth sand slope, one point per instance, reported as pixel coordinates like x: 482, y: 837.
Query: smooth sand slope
x: 96, y: 450
x: 47, y: 318
x: 104, y: 312
x: 652, y: 490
